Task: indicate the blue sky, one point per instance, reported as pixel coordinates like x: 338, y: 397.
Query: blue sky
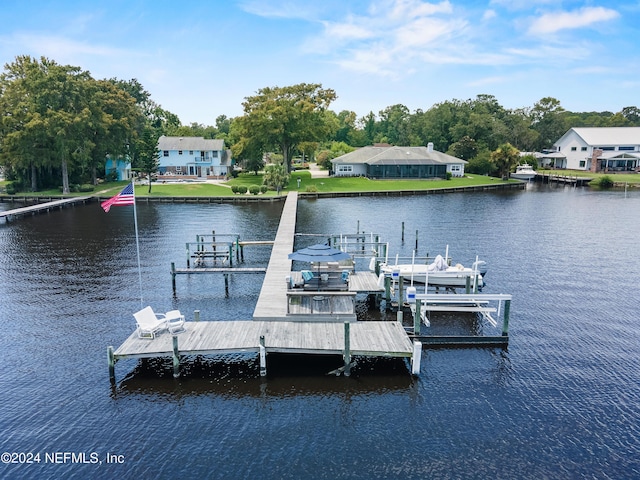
x: 200, y: 59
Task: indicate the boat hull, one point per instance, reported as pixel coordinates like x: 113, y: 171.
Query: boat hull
x: 452, y: 277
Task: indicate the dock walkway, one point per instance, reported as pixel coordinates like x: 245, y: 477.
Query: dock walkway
x: 272, y: 302
x: 221, y: 337
x: 9, y: 215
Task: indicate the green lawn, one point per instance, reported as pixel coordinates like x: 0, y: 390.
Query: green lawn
x: 631, y: 178
x: 325, y: 184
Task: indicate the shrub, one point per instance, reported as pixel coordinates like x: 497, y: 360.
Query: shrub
x: 12, y: 188
x: 311, y: 189
x: 604, y: 182
x: 448, y: 176
x: 254, y: 189
x: 234, y: 188
x: 86, y: 188
x: 263, y: 189
x: 242, y: 189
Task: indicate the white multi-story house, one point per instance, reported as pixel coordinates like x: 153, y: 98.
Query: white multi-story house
x: 597, y: 149
x: 193, y: 157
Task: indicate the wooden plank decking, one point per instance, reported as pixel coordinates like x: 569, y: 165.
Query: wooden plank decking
x: 272, y: 302
x: 206, y: 338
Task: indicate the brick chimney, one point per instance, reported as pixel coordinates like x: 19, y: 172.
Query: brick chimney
x: 594, y: 159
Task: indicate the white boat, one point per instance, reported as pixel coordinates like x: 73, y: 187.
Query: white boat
x: 524, y: 172
x: 437, y: 273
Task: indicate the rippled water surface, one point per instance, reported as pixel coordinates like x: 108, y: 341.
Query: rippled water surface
x: 563, y: 401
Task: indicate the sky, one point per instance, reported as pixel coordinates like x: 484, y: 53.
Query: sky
x: 201, y: 58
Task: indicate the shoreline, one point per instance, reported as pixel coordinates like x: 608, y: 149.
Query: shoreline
x: 247, y: 198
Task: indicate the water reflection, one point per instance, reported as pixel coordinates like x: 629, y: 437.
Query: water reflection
x: 238, y: 376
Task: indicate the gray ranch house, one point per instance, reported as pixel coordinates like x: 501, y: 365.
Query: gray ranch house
x: 386, y: 161
x: 193, y: 157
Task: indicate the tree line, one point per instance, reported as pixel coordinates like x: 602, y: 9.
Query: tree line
x: 59, y: 125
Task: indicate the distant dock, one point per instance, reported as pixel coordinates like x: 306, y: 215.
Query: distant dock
x: 45, y: 207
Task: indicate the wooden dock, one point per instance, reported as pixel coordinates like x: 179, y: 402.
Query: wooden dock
x: 272, y: 302
x: 45, y: 207
x: 381, y: 339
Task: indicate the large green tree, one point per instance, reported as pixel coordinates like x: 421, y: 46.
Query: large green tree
x: 282, y: 117
x: 58, y: 119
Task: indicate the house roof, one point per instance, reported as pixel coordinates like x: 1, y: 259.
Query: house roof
x: 390, y: 155
x: 606, y: 136
x: 189, y: 143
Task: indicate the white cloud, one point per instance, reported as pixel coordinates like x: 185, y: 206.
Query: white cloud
x: 58, y: 47
x: 489, y: 14
x: 584, y: 17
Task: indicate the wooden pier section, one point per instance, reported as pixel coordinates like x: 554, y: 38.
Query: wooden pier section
x: 244, y: 336
x: 45, y: 207
x: 272, y: 302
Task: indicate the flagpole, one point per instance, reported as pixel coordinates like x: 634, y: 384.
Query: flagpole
x: 135, y: 221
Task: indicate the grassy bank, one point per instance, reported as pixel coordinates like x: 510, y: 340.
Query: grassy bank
x: 630, y: 178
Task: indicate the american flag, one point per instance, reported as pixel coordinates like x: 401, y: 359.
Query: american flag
x: 125, y: 197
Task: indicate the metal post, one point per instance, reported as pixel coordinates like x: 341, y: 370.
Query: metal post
x: 188, y: 260
x: 263, y: 357
x: 505, y: 323
x: 112, y: 364
x: 416, y: 239
x: 402, y: 232
x: 176, y: 357
x: 226, y: 285
x: 347, y: 349
x: 173, y: 276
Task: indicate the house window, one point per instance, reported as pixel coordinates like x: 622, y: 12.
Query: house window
x: 178, y: 168
x: 583, y: 149
x: 582, y: 163
x: 626, y: 149
x: 165, y: 153
x: 607, y: 149
x: 179, y: 152
x: 573, y: 149
x: 345, y: 168
x: 190, y: 152
x: 214, y: 154
x: 455, y: 168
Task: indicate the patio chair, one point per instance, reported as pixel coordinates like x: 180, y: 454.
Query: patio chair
x: 175, y: 321
x: 150, y: 323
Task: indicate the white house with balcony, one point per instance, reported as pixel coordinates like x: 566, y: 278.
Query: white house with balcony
x: 597, y: 149
x: 193, y: 157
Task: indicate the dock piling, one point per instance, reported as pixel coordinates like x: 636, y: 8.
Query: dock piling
x: 263, y: 357
x: 112, y: 364
x: 347, y: 349
x: 505, y: 322
x: 417, y: 317
x: 416, y: 357
x: 176, y: 358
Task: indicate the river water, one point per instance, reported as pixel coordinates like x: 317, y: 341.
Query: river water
x: 563, y: 401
